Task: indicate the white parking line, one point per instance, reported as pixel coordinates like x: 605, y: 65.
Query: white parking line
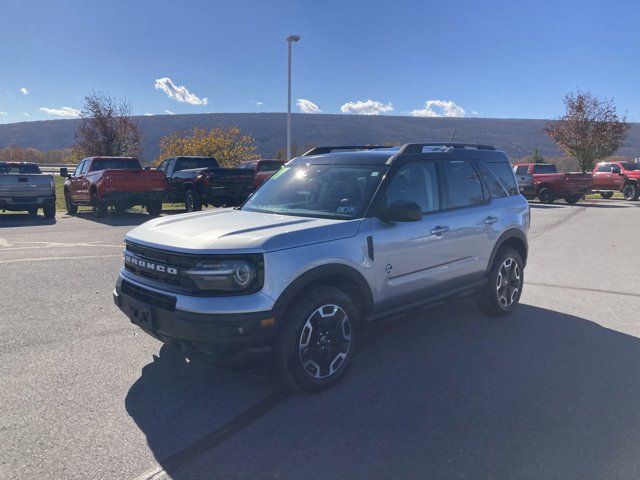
x: 46, y: 259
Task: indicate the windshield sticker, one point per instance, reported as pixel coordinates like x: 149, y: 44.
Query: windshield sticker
x: 347, y: 210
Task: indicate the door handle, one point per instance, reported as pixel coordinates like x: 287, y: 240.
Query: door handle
x: 490, y: 220
x: 438, y: 231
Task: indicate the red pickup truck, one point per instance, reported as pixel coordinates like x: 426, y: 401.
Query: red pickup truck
x: 549, y: 184
x: 120, y: 182
x: 263, y: 169
x: 610, y: 177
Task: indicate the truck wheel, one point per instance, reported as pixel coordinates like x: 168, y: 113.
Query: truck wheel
x: 33, y: 211
x: 572, y: 199
x: 606, y: 195
x: 49, y: 211
x: 315, y: 347
x: 545, y: 195
x: 154, y: 208
x: 631, y: 192
x: 191, y: 201
x: 71, y: 208
x: 99, y: 207
x: 504, y: 286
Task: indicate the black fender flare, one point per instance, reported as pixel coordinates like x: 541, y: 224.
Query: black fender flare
x: 511, y: 235
x: 330, y: 273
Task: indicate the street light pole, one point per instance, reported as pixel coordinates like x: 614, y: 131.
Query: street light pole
x: 290, y: 40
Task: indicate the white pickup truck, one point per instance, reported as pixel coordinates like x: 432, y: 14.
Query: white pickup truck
x: 23, y: 187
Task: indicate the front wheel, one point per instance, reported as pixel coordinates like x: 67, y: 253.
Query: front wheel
x: 545, y: 195
x: 71, y: 208
x: 606, y: 195
x: 191, y: 201
x: 315, y: 348
x: 631, y: 192
x: 504, y: 286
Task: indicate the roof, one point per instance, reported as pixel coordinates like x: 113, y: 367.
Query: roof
x: 372, y: 155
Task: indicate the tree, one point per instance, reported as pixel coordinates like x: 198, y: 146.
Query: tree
x: 228, y: 145
x: 590, y: 128
x: 536, y: 157
x: 296, y: 151
x: 106, y: 128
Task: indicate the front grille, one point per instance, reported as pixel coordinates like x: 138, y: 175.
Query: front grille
x: 166, y: 302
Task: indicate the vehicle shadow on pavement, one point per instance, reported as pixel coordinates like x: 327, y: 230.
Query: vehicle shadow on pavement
x: 445, y: 393
x: 24, y: 220
x: 122, y: 219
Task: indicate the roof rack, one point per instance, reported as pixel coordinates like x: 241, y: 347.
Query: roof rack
x: 418, y: 147
x: 323, y: 150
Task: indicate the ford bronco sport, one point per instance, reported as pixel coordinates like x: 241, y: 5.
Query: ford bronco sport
x: 336, y: 238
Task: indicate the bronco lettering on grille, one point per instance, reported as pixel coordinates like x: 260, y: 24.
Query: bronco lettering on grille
x: 146, y: 265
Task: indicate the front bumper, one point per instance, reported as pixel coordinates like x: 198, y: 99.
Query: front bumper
x: 25, y: 203
x: 219, y: 334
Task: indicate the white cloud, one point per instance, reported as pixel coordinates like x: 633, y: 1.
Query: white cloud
x: 61, y: 112
x: 474, y: 113
x: 439, y: 108
x: 368, y: 107
x: 26, y: 114
x: 2, y: 113
x: 169, y: 112
x: 307, y: 106
x: 24, y: 91
x: 148, y: 114
x: 178, y: 93
x: 257, y: 103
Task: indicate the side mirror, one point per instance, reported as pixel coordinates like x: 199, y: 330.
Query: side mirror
x: 64, y: 173
x: 403, y: 211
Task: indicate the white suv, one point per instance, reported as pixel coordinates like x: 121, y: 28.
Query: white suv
x: 336, y: 238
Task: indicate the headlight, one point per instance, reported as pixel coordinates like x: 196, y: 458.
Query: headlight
x: 225, y: 275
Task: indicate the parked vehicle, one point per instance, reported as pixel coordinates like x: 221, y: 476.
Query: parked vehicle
x: 263, y: 169
x: 549, y: 184
x: 341, y: 236
x: 198, y: 181
x: 611, y: 177
x: 120, y: 182
x: 23, y: 187
x: 525, y: 181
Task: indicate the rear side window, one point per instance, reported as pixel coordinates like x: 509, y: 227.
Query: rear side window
x: 416, y: 182
x: 503, y: 172
x: 462, y: 184
x: 545, y: 169
x: 522, y: 169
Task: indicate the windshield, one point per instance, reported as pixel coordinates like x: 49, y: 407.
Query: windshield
x: 115, y: 164
x: 631, y: 165
x: 323, y: 191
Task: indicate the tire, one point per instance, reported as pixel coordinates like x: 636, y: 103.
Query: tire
x: 99, y: 207
x: 572, y: 199
x: 33, y: 212
x: 154, y: 208
x: 545, y: 195
x: 631, y: 192
x: 501, y: 297
x: 606, y: 195
x: 71, y: 208
x: 49, y: 211
x: 191, y: 201
x: 306, y: 353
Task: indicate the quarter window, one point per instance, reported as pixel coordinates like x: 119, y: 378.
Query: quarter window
x: 503, y: 172
x: 462, y: 184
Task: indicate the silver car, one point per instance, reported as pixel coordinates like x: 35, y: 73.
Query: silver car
x: 335, y: 239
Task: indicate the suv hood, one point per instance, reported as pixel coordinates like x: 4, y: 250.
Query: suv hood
x: 237, y: 231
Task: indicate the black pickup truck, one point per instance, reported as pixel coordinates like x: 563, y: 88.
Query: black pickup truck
x: 198, y: 181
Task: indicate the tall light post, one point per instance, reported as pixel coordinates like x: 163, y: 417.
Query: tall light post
x: 290, y: 40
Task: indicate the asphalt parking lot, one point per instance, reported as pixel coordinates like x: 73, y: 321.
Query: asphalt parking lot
x: 550, y: 392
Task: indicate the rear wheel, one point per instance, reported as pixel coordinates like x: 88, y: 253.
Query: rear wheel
x: 504, y: 286
x: 99, y: 207
x: 606, y: 195
x: 545, y: 195
x: 191, y: 201
x: 71, y: 208
x: 572, y: 199
x: 631, y: 192
x: 315, y: 348
x: 154, y: 208
x: 49, y: 211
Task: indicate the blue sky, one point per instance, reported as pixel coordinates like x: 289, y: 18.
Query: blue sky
x: 502, y: 59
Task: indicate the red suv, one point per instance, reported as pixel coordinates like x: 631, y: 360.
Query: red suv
x: 610, y: 177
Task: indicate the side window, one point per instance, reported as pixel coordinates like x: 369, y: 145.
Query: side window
x: 522, y: 170
x: 163, y: 166
x: 78, y: 171
x: 416, y: 182
x: 604, y: 167
x: 85, y: 167
x: 503, y: 172
x: 462, y: 184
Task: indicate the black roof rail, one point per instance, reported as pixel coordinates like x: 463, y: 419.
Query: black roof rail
x: 329, y: 149
x: 418, y: 147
